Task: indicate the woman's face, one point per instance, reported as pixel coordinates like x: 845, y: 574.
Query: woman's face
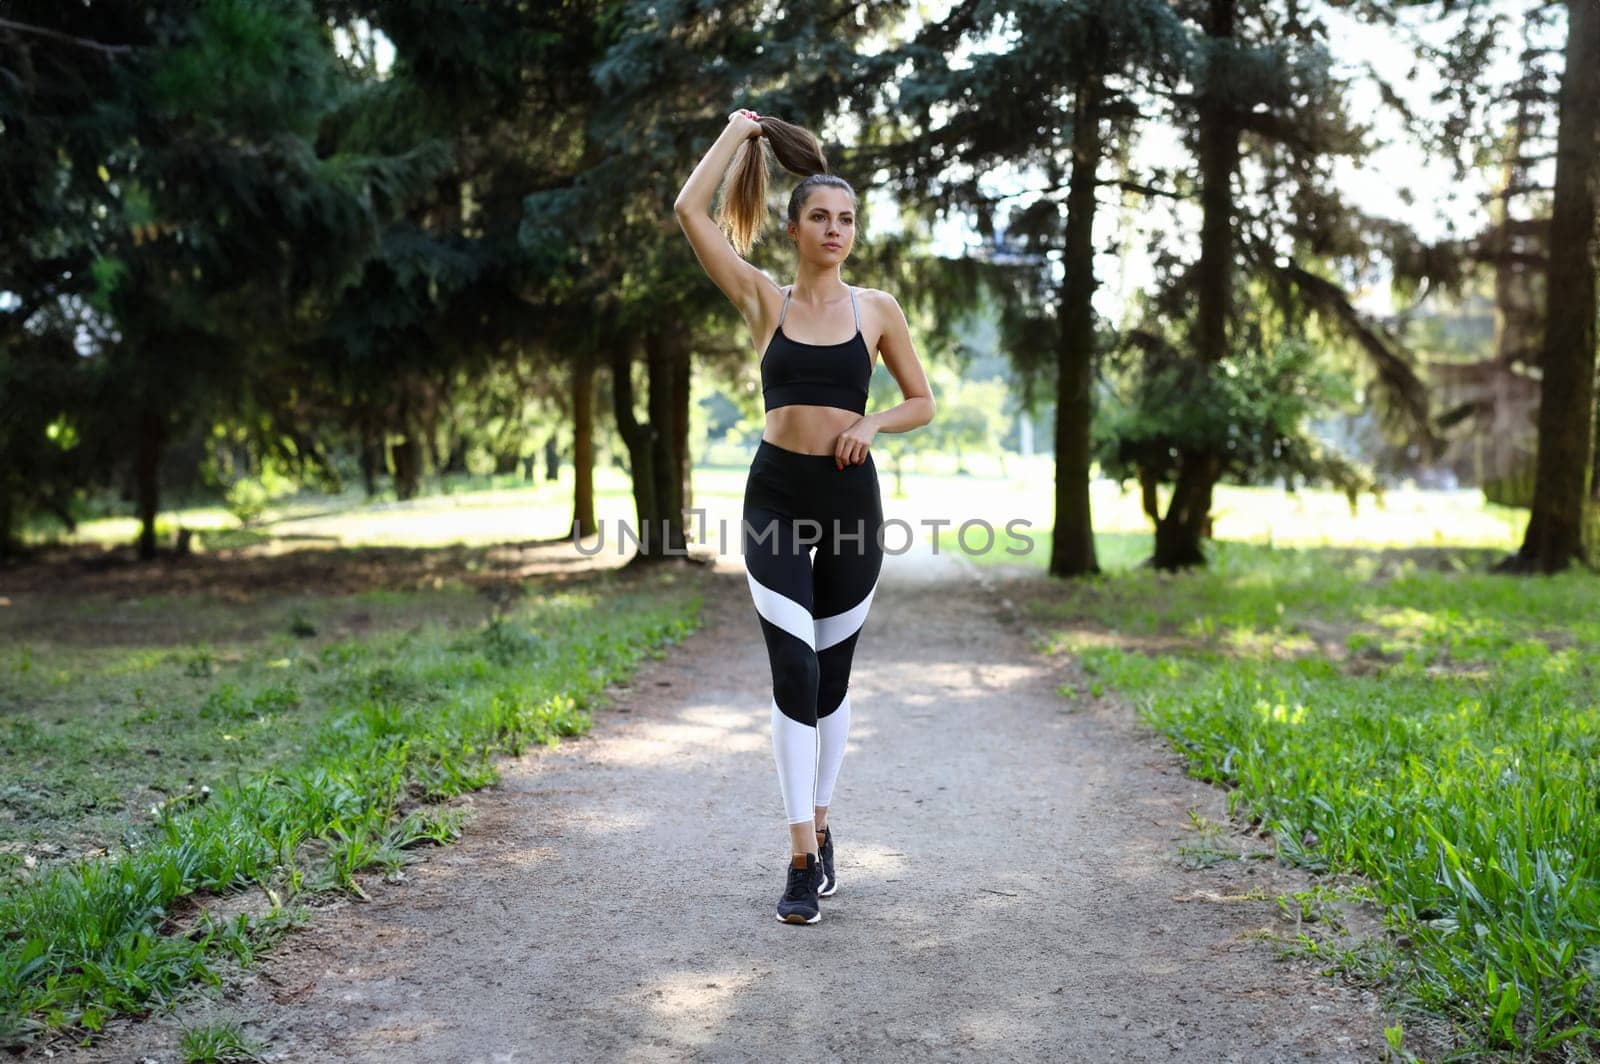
x: 826, y: 218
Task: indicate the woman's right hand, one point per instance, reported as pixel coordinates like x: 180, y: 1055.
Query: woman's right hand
x: 745, y: 120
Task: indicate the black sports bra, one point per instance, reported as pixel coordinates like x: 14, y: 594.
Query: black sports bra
x: 816, y: 374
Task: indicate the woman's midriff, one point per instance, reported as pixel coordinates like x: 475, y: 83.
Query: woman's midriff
x: 807, y: 429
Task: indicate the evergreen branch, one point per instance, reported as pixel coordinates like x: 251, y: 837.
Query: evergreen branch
x: 1511, y: 258
x: 1394, y: 372
x: 1392, y: 99
x: 1147, y: 190
x: 1471, y: 409
x: 1154, y: 344
x: 65, y: 38
x: 1279, y: 129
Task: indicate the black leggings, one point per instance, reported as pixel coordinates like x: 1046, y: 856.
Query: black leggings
x: 810, y: 612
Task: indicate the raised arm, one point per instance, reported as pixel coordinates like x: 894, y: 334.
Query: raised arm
x: 739, y: 280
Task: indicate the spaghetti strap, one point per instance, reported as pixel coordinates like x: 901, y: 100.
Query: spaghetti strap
x: 785, y: 311
x: 853, y: 309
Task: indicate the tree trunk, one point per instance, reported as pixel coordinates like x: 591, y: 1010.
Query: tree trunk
x: 407, y: 458
x: 1072, y: 542
x: 639, y: 437
x: 152, y: 437
x: 438, y: 458
x: 1594, y: 477
x: 665, y: 353
x: 1148, y: 483
x: 1565, y: 460
x: 456, y: 460
x: 636, y: 439
x: 552, y: 457
x: 7, y: 543
x: 1219, y: 156
x: 1178, y: 534
x: 1188, y: 518
x: 583, y: 446
x: 372, y: 461
x: 680, y: 423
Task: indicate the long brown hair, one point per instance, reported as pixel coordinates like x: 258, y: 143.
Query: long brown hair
x: 742, y: 212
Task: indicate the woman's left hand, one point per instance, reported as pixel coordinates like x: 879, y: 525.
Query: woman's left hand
x: 851, y: 446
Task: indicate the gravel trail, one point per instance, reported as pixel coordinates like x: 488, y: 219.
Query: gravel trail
x: 1011, y: 887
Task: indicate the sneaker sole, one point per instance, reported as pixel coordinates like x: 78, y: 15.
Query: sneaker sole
x: 832, y: 889
x: 796, y: 918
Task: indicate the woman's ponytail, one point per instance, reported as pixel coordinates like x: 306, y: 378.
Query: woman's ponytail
x: 742, y: 211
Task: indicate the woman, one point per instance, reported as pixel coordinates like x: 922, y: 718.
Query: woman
x: 812, y: 481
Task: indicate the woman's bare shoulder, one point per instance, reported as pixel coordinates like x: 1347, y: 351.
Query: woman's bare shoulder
x: 883, y: 307
x: 877, y: 298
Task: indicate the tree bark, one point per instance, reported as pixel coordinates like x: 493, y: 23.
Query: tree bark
x: 665, y: 353
x: 1565, y: 460
x: 152, y: 437
x: 407, y: 458
x: 456, y: 460
x: 583, y: 447
x: 1594, y: 475
x: 438, y: 457
x: 1179, y: 532
x: 656, y: 501
x: 7, y: 543
x: 1148, y: 483
x: 1188, y: 517
x: 681, y: 366
x: 1072, y: 541
x: 372, y: 460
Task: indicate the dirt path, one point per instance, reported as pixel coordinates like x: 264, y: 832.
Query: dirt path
x: 1010, y: 884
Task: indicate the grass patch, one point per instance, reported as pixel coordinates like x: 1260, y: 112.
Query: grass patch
x: 91, y: 736
x: 219, y: 1043
x: 288, y: 766
x: 1405, y: 717
x: 1411, y: 522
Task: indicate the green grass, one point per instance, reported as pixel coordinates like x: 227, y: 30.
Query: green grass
x: 1404, y: 716
x: 92, y: 733
x: 1411, y: 522
x: 219, y: 1043
x: 284, y: 764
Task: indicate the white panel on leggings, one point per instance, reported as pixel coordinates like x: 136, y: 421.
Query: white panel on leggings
x: 832, y: 733
x: 794, y: 748
x: 783, y: 611
x: 841, y: 626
